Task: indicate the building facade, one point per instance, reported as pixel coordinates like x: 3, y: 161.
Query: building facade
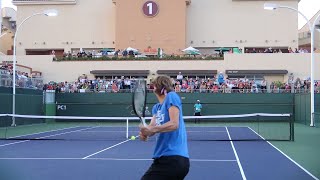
x: 142, y: 24
x: 171, y: 26
x: 305, y: 35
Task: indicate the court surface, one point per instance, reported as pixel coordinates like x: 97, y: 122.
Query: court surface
x: 129, y: 159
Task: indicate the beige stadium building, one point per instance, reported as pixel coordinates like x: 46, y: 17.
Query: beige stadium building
x: 92, y: 25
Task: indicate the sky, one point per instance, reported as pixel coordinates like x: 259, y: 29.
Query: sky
x: 308, y: 7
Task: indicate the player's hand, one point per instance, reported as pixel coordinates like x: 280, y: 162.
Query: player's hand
x: 146, y: 130
x: 142, y: 137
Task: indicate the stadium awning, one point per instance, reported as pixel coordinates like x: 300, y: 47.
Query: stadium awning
x: 188, y: 72
x: 258, y: 72
x: 120, y: 72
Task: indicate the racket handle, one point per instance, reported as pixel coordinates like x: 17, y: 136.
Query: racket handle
x: 143, y: 122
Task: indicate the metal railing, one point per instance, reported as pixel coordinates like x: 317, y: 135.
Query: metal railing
x: 21, y: 82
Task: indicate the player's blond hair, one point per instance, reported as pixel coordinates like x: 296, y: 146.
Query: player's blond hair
x: 163, y: 85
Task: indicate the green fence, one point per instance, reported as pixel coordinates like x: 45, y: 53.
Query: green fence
x: 302, y: 109
x: 119, y: 104
x: 28, y: 101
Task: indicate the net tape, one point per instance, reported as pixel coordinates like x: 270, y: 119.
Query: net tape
x: 136, y: 118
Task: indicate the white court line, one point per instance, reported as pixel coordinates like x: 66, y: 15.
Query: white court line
x: 117, y: 159
x: 107, y: 148
x: 314, y: 177
x: 44, y: 136
x: 206, y: 131
x: 66, y: 133
x: 237, y: 157
x: 29, y: 135
x: 44, y: 132
x: 13, y: 143
x: 194, y: 160
x: 97, y: 131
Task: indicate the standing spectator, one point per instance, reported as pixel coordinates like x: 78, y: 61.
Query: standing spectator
x: 220, y: 78
x: 264, y: 86
x: 197, y: 111
x: 127, y: 84
x: 53, y: 53
x: 180, y: 77
x: 291, y: 82
x: 116, y: 54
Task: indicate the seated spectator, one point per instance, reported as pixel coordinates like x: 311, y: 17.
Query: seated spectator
x: 215, y: 88
x: 115, y: 88
x: 203, y: 87
x: 254, y: 88
x: 290, y: 50
x: 125, y: 53
x: 131, y: 53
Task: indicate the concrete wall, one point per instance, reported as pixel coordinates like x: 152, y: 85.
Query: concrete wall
x: 79, y: 25
x: 226, y: 21
x: 167, y: 29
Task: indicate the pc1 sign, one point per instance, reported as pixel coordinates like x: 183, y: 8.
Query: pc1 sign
x: 150, y: 8
x: 61, y: 107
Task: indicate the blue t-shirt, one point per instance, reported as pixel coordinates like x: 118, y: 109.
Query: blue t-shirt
x: 197, y: 107
x: 174, y: 142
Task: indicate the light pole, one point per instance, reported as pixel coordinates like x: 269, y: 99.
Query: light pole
x: 0, y: 17
x: 312, y: 123
x: 50, y: 12
x: 270, y: 6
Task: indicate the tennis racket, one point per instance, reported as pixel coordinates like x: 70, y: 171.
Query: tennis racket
x: 139, y: 98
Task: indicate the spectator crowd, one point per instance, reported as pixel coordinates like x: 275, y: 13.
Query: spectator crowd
x: 218, y: 84
x: 23, y: 79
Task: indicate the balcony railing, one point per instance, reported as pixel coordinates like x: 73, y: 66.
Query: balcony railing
x: 30, y: 83
x: 40, y: 2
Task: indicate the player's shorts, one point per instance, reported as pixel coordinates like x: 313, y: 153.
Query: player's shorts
x: 168, y: 168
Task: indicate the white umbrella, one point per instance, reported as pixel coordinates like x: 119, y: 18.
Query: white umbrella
x: 190, y: 49
x: 131, y: 49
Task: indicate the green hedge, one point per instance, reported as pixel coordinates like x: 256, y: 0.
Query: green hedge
x: 105, y: 58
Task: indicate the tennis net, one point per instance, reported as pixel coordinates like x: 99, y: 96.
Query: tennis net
x: 244, y: 127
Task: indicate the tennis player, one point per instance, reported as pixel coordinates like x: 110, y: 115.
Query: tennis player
x: 171, y: 157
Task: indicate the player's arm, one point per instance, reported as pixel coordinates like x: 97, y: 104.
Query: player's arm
x: 171, y: 125
x: 152, y: 123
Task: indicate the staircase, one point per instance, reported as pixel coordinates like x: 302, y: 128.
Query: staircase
x: 9, y: 18
x: 8, y: 30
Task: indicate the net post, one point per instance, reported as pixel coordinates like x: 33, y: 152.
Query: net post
x: 258, y: 121
x: 312, y: 124
x: 13, y: 109
x: 50, y: 105
x: 127, y: 130
x: 291, y: 127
